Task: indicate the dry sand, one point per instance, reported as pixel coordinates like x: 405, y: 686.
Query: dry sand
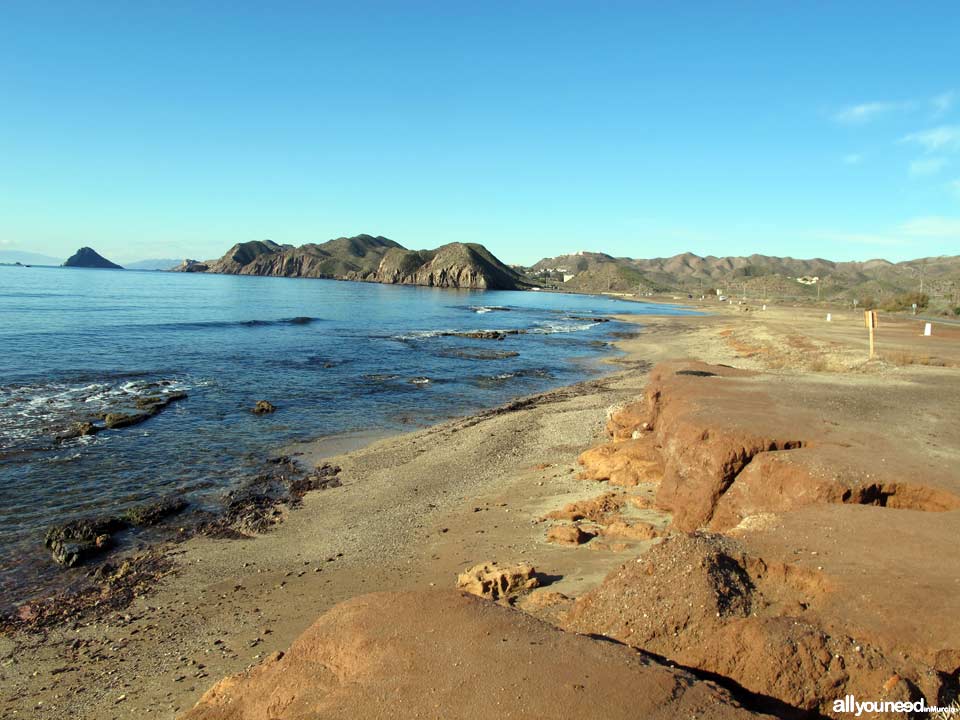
x: 416, y: 509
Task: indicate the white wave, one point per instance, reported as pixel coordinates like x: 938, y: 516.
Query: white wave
x: 549, y: 327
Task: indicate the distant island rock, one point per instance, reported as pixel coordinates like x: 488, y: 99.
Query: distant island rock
x: 89, y: 258
x: 369, y: 259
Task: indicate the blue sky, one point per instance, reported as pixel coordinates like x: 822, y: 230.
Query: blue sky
x: 643, y: 129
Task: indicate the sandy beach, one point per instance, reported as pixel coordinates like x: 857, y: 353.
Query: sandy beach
x: 415, y: 510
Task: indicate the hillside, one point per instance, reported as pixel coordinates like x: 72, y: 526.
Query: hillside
x: 755, y: 276
x: 89, y: 258
x: 370, y: 259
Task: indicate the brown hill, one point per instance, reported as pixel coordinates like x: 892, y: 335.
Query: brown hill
x: 370, y: 259
x: 755, y: 276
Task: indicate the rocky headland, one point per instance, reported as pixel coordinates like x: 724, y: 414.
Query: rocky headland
x: 369, y: 259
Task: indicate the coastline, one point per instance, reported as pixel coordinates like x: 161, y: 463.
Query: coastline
x: 384, y: 529
x: 414, y: 510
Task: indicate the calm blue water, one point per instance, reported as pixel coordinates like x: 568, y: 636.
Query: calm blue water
x: 333, y: 356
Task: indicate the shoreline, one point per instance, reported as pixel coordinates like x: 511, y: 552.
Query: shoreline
x: 23, y: 590
x: 416, y: 509
x: 364, y: 552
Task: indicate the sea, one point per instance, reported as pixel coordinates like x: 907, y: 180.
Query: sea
x: 334, y: 358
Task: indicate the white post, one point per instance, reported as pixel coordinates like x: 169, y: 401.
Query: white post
x: 928, y: 330
x: 829, y: 317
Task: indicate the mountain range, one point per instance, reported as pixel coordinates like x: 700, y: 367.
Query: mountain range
x: 369, y: 259
x: 753, y: 275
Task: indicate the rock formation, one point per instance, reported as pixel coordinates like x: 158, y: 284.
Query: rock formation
x: 89, y: 258
x: 444, y: 654
x: 370, y: 259
x: 802, y: 561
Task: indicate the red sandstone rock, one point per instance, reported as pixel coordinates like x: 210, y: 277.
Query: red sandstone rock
x: 447, y: 655
x: 568, y: 535
x: 489, y: 580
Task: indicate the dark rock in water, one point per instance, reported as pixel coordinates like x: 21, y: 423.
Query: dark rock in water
x: 89, y: 258
x: 152, y: 513
x: 589, y: 318
x: 149, y: 406
x: 483, y: 334
x: 480, y: 354
x: 156, y: 403
x: 78, y: 540
x: 78, y: 430
x: 263, y: 407
x: 121, y: 420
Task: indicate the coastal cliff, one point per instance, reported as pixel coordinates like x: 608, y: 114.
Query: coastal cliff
x: 87, y: 257
x: 368, y: 259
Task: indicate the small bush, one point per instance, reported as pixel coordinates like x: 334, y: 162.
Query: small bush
x: 906, y: 301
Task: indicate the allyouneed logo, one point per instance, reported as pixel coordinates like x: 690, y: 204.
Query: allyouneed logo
x: 849, y: 704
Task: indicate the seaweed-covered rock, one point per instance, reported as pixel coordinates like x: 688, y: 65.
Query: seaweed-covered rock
x: 76, y: 430
x: 120, y: 420
x: 74, y: 542
x: 263, y: 407
x: 153, y: 512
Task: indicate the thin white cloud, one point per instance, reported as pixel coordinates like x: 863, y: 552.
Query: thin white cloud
x: 852, y: 159
x: 933, y: 226
x: 955, y: 188
x: 864, y: 112
x: 945, y: 138
x: 943, y: 102
x: 927, y: 166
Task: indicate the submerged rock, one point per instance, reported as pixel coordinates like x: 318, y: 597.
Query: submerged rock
x: 78, y: 429
x: 78, y: 540
x: 263, y: 407
x: 152, y: 513
x: 120, y: 420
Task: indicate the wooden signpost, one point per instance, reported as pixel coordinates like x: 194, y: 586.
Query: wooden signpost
x: 872, y: 322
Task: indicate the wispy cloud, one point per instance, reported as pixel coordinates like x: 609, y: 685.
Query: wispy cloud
x: 943, y: 102
x: 955, y: 188
x: 918, y: 231
x: 933, y: 226
x: 864, y: 112
x: 945, y: 138
x: 852, y: 159
x: 927, y: 166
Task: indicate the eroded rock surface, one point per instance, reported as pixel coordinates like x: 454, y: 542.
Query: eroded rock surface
x: 445, y: 654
